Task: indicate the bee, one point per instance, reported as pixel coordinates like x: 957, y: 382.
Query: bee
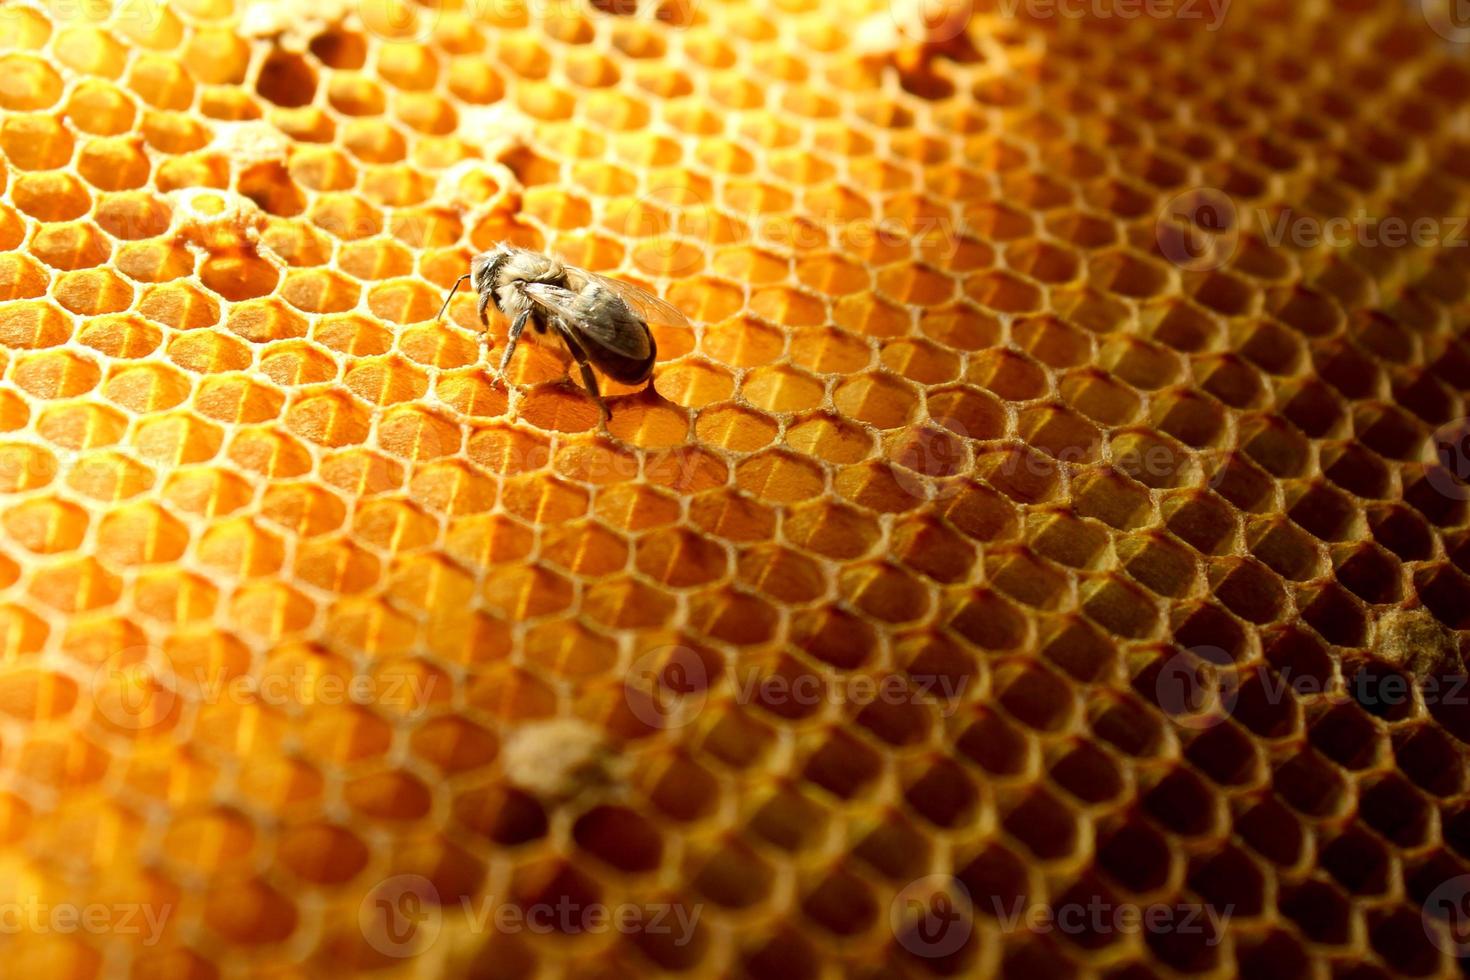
x: 601, y: 321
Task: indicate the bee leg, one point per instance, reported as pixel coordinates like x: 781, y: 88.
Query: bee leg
x: 484, y: 305
x: 516, y: 326
x: 588, y: 378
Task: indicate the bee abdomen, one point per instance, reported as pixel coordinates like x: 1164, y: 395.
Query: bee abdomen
x: 628, y: 369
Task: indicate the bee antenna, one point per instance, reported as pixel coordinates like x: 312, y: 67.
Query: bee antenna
x: 452, y: 290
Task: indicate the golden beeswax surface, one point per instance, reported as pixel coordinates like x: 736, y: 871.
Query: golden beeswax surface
x: 1029, y: 518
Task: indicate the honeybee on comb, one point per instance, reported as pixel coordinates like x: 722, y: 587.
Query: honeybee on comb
x: 602, y: 321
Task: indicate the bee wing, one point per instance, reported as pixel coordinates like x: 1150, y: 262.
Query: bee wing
x: 563, y: 302
x: 582, y: 313
x: 650, y: 307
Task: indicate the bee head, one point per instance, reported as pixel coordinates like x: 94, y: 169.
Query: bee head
x: 483, y: 269
x: 479, y: 265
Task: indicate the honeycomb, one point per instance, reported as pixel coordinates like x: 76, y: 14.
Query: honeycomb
x: 1021, y: 523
